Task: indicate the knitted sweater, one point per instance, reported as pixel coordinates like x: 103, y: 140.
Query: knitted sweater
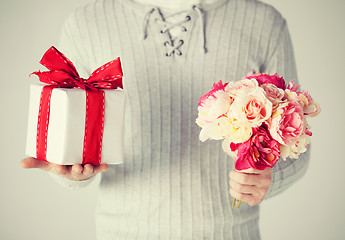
x: 171, y: 185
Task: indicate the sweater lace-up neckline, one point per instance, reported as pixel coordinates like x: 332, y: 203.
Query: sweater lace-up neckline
x: 173, y: 25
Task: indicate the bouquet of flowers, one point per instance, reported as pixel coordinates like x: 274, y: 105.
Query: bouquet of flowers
x: 259, y: 119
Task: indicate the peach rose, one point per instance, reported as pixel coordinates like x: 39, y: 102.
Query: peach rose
x: 310, y: 108
x: 237, y: 131
x: 214, y: 130
x: 297, y: 147
x: 253, y: 107
x: 236, y: 88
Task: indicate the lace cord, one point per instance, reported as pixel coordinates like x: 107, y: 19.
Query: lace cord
x: 202, y: 25
x: 173, y: 25
x: 173, y: 48
x: 147, y: 21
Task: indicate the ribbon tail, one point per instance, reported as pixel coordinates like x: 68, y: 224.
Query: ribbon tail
x: 94, y: 126
x: 43, y: 123
x: 61, y: 78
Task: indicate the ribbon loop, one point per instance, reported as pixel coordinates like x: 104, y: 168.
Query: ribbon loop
x: 55, y: 60
x: 64, y: 74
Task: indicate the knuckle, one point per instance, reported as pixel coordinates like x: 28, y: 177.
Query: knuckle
x: 237, y: 186
x: 234, y: 193
x: 76, y: 171
x: 264, y: 195
x: 232, y: 173
x: 61, y: 169
x: 244, y: 178
x: 241, y: 188
x: 259, y: 199
x: 232, y: 183
x: 256, y: 201
x: 252, y: 202
x: 240, y: 196
x: 269, y: 181
x: 88, y: 170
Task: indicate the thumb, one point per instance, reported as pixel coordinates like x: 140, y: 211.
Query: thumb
x: 34, y: 163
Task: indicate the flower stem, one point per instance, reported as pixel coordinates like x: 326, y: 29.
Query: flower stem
x: 239, y: 204
x: 233, y: 202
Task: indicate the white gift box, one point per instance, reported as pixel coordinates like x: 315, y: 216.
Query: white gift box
x: 65, y: 136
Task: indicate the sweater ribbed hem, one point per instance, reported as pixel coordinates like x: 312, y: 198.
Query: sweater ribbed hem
x: 70, y: 183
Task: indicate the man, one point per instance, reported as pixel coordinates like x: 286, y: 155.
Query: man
x: 172, y: 186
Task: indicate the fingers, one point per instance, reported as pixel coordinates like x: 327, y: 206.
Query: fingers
x: 244, y: 178
x: 77, y: 169
x: 35, y: 163
x: 88, y: 170
x: 72, y: 172
x: 250, y: 194
x: 101, y: 168
x: 248, y: 198
x: 77, y: 172
x: 260, y: 178
x: 250, y: 187
x: 242, y: 188
x: 61, y: 169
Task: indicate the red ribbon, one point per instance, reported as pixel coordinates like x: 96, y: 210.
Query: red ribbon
x: 63, y: 74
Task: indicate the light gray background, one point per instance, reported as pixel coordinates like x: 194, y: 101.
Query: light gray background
x: 32, y: 206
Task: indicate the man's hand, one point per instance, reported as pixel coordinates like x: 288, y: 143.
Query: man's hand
x: 75, y: 172
x: 250, y: 185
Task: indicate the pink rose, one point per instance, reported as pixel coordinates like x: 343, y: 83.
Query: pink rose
x: 213, y: 104
x: 259, y: 152
x: 287, y: 122
x: 292, y: 87
x: 219, y: 86
x: 274, y: 94
x: 266, y: 78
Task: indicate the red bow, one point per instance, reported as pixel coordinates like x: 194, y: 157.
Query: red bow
x: 63, y: 73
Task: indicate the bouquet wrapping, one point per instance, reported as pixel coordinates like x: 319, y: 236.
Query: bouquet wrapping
x: 259, y: 118
x: 74, y: 120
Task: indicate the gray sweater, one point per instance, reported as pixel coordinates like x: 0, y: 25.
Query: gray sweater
x: 171, y: 185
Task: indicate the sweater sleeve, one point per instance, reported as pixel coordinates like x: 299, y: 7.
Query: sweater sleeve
x: 64, y: 182
x: 280, y: 59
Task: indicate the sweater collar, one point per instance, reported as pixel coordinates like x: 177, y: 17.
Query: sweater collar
x: 204, y: 5
x: 172, y: 44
